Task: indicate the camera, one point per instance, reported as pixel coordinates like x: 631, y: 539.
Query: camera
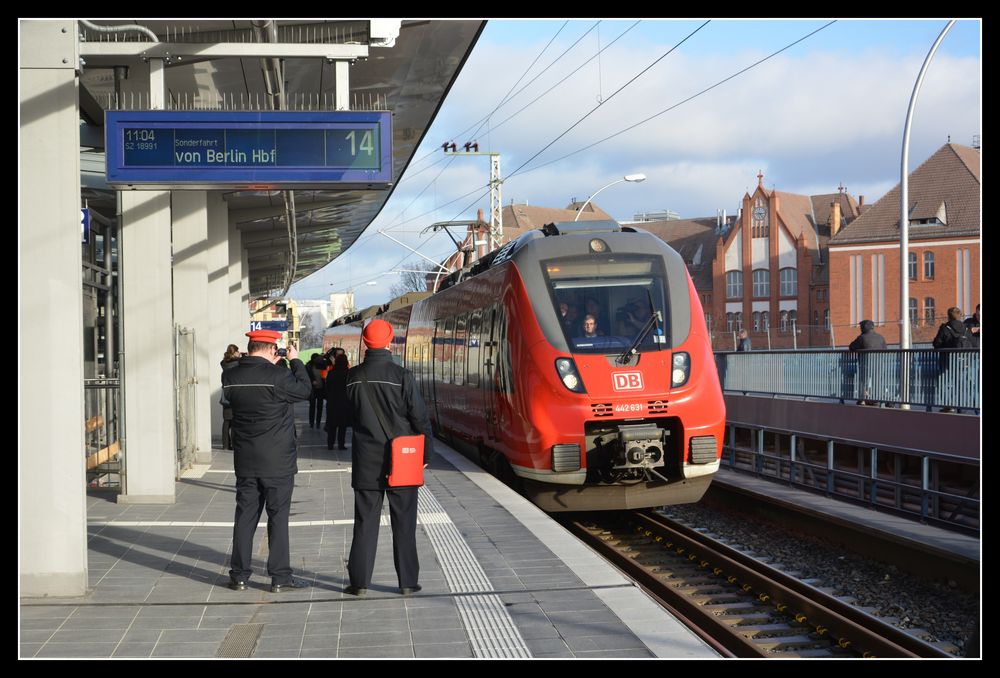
x: 282, y: 352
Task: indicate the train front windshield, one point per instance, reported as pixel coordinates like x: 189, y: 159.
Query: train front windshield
x: 604, y: 301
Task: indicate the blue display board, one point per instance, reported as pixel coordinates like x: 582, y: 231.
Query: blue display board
x: 276, y: 325
x: 251, y: 151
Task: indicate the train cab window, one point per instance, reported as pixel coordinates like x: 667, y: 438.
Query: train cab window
x: 604, y: 303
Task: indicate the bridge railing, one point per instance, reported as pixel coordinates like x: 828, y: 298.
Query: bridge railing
x: 916, y: 377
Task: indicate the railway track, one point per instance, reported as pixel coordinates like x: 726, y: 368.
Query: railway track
x: 738, y: 605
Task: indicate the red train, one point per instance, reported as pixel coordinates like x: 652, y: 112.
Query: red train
x: 574, y: 361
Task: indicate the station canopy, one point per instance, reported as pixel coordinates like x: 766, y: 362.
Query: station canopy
x: 404, y: 67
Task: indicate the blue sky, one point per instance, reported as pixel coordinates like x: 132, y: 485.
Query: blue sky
x: 827, y: 111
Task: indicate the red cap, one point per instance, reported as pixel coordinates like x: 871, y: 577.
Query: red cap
x: 378, y: 334
x: 266, y: 336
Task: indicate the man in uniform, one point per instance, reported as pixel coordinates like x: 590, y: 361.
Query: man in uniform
x: 260, y: 393
x: 396, y: 392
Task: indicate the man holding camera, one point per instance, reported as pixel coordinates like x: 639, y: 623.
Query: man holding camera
x: 261, y: 393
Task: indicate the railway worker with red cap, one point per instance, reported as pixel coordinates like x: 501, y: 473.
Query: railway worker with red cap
x: 393, y: 388
x: 261, y: 393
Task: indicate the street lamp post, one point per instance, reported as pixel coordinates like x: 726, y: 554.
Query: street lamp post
x: 634, y: 178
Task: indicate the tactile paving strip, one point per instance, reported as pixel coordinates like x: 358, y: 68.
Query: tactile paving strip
x: 491, y: 630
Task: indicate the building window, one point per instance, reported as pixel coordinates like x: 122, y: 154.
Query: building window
x: 816, y: 318
x: 793, y: 317
x: 756, y: 321
x: 708, y: 323
x: 913, y: 311
x: 761, y: 283
x: 913, y: 265
x: 729, y: 322
x: 765, y: 320
x: 929, y: 311
x: 783, y: 320
x: 738, y: 317
x: 928, y: 266
x: 789, y: 282
x: 826, y: 320
x: 734, y: 285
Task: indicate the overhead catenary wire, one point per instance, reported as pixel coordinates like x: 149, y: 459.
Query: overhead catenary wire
x: 679, y: 103
x: 520, y: 170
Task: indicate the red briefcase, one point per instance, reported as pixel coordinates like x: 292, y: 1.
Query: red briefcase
x: 407, y: 469
x: 406, y: 462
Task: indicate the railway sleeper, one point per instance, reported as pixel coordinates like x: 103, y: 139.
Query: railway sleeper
x: 759, y: 631
x: 742, y: 619
x: 735, y: 608
x: 716, y: 598
x: 788, y: 642
x: 817, y: 652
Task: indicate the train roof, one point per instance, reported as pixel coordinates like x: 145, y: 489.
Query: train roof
x: 500, y: 256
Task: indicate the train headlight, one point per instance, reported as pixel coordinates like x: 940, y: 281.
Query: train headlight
x: 566, y: 369
x: 680, y: 370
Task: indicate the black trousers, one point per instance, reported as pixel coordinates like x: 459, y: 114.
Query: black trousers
x: 403, y: 514
x: 315, y: 408
x: 252, y: 495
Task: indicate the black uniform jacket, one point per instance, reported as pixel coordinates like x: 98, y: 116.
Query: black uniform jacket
x: 396, y: 391
x: 868, y: 341
x: 261, y: 396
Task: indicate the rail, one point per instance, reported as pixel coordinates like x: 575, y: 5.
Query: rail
x: 946, y: 379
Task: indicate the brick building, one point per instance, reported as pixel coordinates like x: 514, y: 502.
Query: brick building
x: 765, y: 270
x: 944, y: 252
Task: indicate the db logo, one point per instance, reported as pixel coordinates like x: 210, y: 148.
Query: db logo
x: 628, y: 381
x: 409, y: 450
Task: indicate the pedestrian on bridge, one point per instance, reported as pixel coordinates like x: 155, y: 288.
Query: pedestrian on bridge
x: 868, y: 340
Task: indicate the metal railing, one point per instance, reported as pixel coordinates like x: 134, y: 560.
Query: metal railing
x: 103, y: 450
x: 937, y: 488
x: 917, y: 377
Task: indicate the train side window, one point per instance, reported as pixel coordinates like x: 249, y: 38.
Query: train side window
x: 475, y: 323
x: 449, y: 350
x: 438, y: 343
x: 459, y: 357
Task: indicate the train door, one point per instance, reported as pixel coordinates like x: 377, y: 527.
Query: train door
x: 488, y: 380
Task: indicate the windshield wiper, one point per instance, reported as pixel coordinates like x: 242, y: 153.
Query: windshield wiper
x: 654, y: 321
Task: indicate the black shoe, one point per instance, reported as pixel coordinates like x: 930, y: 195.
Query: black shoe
x: 358, y: 591
x: 289, y: 585
x: 237, y: 585
x: 330, y: 447
x: 342, y: 447
x: 410, y: 590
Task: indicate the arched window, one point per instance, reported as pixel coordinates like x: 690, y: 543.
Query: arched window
x: 734, y: 285
x: 913, y: 266
x: 738, y: 317
x: 913, y: 311
x: 929, y: 311
x: 761, y: 283
x: 765, y: 321
x: 756, y: 321
x: 826, y: 319
x: 783, y: 319
x: 789, y: 282
x: 816, y: 318
x: 793, y: 317
x: 729, y: 322
x: 928, y: 266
